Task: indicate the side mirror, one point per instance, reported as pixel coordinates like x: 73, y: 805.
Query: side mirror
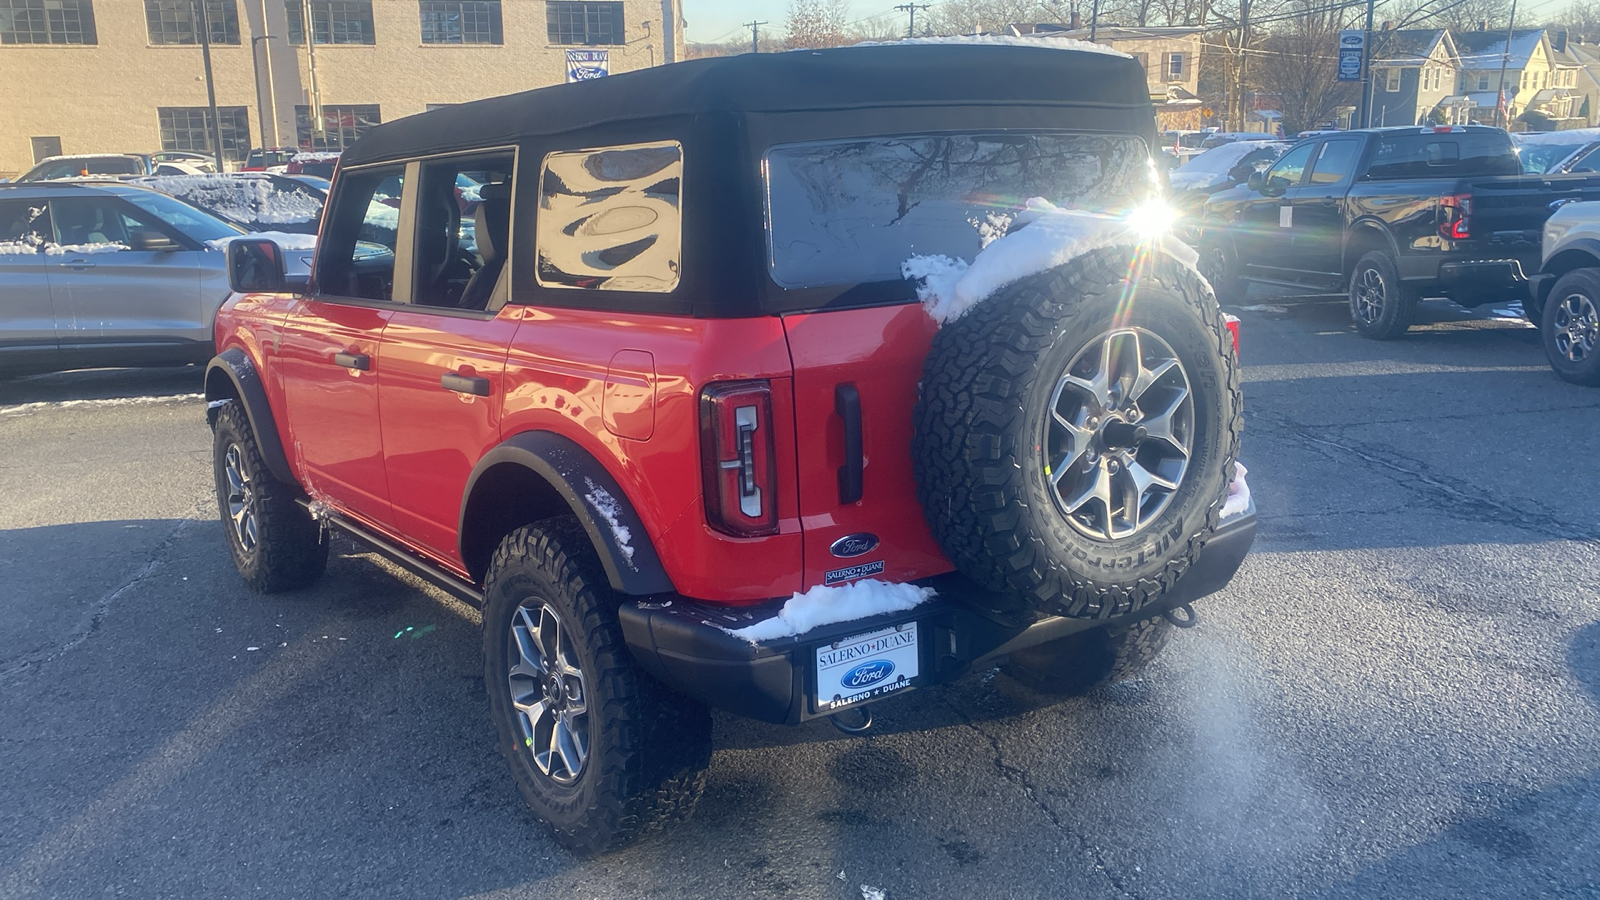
x: 255, y: 266
x: 151, y: 241
x: 1258, y: 181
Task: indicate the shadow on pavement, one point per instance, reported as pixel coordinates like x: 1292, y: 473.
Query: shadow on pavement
x: 102, y: 384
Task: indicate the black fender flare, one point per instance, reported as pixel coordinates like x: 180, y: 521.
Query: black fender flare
x: 1358, y: 230
x: 1583, y: 251
x: 584, y: 484
x: 235, y: 366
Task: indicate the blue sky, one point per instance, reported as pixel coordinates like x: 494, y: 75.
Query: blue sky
x: 720, y: 20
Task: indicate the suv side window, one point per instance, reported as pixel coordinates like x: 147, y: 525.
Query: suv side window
x: 609, y: 218
x: 357, y: 256
x: 1335, y: 163
x: 24, y: 225
x: 1286, y: 172
x: 463, y: 232
x: 85, y: 221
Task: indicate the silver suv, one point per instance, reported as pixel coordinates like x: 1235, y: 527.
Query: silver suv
x: 107, y: 275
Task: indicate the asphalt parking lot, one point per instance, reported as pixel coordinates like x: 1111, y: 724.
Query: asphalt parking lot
x: 1399, y: 695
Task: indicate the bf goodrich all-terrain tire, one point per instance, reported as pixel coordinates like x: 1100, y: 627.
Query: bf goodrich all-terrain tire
x: 1079, y: 663
x: 1381, y: 306
x: 276, y: 544
x: 1077, y: 431
x: 600, y: 750
x: 1571, y: 327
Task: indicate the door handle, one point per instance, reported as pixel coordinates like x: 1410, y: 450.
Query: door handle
x: 77, y: 264
x: 847, y: 403
x: 464, y: 384
x: 359, y: 361
x: 1329, y: 201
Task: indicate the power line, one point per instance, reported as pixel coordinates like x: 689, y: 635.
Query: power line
x: 911, y: 25
x: 755, y: 35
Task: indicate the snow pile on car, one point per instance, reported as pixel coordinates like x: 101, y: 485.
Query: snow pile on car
x: 830, y: 605
x: 241, y: 198
x: 1003, y: 40
x: 1211, y: 168
x: 1053, y: 236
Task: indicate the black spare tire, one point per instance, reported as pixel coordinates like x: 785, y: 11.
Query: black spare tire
x: 1076, y: 433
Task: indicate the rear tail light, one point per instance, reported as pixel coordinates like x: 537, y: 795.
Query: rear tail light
x: 1457, y: 221
x: 741, y: 479
x: 1232, y: 321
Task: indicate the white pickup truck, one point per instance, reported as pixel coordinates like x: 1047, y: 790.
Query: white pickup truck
x: 1564, y: 297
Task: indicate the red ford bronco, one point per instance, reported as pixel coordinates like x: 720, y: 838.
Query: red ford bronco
x: 632, y: 365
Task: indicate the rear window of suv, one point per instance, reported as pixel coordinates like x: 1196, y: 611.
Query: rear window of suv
x: 850, y: 212
x: 1430, y: 154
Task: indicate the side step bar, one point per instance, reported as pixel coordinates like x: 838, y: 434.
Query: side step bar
x: 400, y: 556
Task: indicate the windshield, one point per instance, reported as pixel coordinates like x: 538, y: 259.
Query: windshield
x: 91, y: 165
x: 195, y: 223
x: 1540, y: 158
x: 850, y: 212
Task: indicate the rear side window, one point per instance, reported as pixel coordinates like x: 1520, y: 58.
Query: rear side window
x: 850, y: 212
x: 610, y: 218
x: 1430, y: 154
x: 24, y: 225
x: 356, y: 258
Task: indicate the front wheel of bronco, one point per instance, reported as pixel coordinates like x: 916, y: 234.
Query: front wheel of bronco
x: 1079, y: 663
x: 1381, y: 306
x: 600, y: 751
x: 275, y: 543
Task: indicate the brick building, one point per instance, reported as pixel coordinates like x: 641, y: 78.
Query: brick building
x: 100, y: 76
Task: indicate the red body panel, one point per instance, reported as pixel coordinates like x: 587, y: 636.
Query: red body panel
x: 432, y: 436
x: 556, y: 377
x: 880, y: 351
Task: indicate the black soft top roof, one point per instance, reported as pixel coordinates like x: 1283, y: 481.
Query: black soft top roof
x: 888, y: 75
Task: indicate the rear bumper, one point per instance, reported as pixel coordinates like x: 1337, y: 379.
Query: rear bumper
x: 1476, y: 281
x: 687, y: 645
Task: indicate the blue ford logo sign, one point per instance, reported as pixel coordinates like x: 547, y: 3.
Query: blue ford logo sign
x: 854, y: 545
x: 868, y: 673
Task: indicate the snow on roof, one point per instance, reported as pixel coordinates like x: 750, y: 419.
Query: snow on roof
x: 313, y: 156
x: 1047, y: 40
x: 1407, y: 46
x: 1212, y: 167
x: 1485, y: 49
x: 90, y: 156
x: 245, y: 197
x: 1573, y: 136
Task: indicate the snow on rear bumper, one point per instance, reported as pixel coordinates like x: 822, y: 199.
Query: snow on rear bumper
x: 686, y: 643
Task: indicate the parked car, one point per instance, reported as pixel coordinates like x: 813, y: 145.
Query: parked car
x: 88, y: 164
x: 108, y: 274
x: 255, y: 201
x: 1223, y: 167
x: 193, y: 163
x: 1218, y: 138
x: 1566, y: 292
x: 709, y: 450
x: 320, y: 163
x: 1558, y: 152
x: 1388, y: 215
x: 272, y: 159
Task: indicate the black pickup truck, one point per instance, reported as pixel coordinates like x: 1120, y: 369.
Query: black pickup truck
x: 1388, y: 215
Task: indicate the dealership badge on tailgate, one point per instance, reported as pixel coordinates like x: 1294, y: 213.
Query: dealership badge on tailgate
x: 851, y: 573
x: 866, y: 666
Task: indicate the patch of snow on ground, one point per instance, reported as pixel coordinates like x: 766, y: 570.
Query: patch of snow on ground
x: 831, y: 605
x: 1053, y: 237
x: 868, y: 892
x: 1238, y: 493
x: 25, y: 408
x: 285, y: 240
x: 1004, y: 40
x: 610, y: 510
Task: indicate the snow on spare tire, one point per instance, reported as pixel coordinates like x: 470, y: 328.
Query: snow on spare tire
x: 1079, y: 416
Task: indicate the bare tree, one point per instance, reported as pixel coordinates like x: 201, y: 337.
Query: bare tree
x: 970, y: 16
x: 813, y: 24
x: 1298, y: 61
x: 1581, y: 19
x: 1456, y: 15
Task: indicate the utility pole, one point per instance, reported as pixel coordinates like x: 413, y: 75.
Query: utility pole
x: 269, y: 125
x: 1244, y: 56
x: 1505, y: 58
x: 1367, y: 51
x: 211, y: 88
x: 911, y: 26
x: 308, y: 31
x: 755, y: 34
x: 1094, y: 19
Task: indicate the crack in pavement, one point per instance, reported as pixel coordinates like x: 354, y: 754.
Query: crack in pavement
x: 1020, y: 778
x: 1465, y: 503
x: 96, y: 612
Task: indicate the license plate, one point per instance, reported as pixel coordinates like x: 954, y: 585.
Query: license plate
x: 864, y: 667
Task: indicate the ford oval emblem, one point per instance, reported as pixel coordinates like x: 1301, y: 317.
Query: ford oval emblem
x: 868, y: 673
x: 854, y: 545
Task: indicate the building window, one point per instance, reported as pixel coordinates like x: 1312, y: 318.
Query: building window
x: 584, y: 23
x: 189, y: 128
x: 47, y: 22
x: 335, y: 21
x: 1175, y: 67
x: 1392, y: 81
x: 178, y: 21
x: 1483, y: 83
x: 343, y: 124
x: 461, y: 22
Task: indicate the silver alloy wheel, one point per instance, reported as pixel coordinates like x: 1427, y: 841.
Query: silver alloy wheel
x: 1368, y: 295
x: 241, y: 499
x: 548, y: 692
x: 1118, y: 433
x: 1577, y: 330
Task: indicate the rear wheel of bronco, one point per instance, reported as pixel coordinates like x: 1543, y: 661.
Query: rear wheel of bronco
x: 1077, y: 431
x: 1380, y: 305
x: 276, y: 544
x: 1571, y: 327
x: 1079, y: 663
x: 600, y: 750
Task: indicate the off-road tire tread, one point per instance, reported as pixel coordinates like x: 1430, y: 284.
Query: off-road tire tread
x: 973, y: 393
x: 655, y: 745
x: 292, y: 551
